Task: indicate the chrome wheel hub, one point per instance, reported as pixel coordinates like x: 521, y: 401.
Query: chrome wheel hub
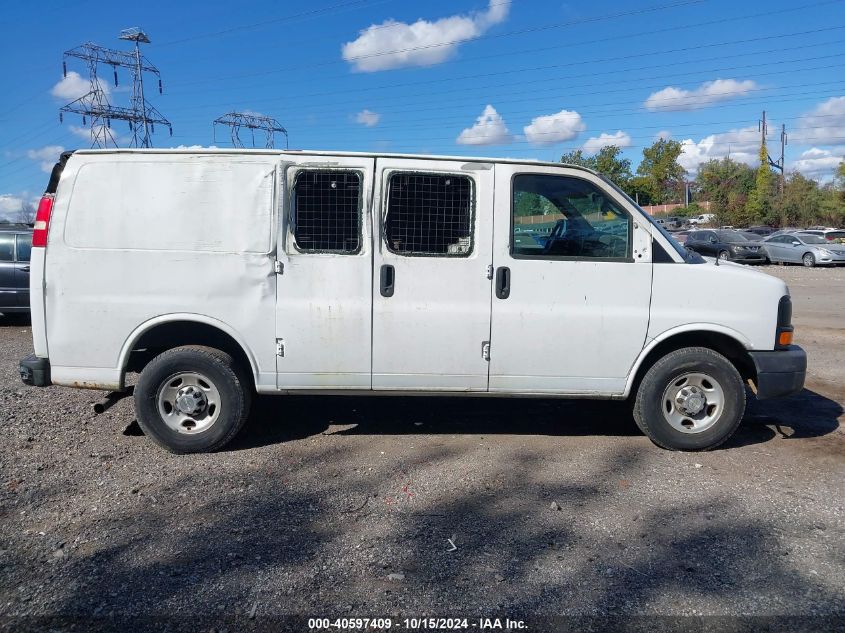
x: 188, y: 402
x: 693, y: 402
x: 191, y: 400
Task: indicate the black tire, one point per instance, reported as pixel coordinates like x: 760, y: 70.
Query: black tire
x: 808, y: 260
x: 649, y: 400
x: 229, y: 380
x: 725, y: 256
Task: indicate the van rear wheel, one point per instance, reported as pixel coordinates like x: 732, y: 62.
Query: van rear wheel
x: 691, y: 399
x: 192, y: 399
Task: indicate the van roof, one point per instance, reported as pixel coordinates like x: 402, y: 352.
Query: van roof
x: 299, y: 152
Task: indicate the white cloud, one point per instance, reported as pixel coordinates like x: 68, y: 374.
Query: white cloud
x: 16, y: 208
x: 824, y: 125
x: 48, y: 155
x: 706, y: 94
x: 663, y: 134
x: 489, y: 129
x: 393, y: 44
x: 819, y: 163
x: 594, y: 144
x: 73, y: 86
x: 742, y: 145
x: 367, y: 117
x: 553, y: 128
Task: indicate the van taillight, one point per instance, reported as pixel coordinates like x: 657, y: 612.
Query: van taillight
x: 42, y: 220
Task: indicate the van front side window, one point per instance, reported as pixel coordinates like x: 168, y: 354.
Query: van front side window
x: 326, y: 211
x: 567, y: 217
x: 429, y: 214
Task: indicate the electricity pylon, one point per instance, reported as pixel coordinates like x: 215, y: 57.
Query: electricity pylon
x: 252, y: 122
x: 94, y: 106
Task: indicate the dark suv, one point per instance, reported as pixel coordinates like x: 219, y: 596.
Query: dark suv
x: 15, y: 245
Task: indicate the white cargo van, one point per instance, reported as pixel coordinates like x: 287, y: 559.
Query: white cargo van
x: 217, y: 274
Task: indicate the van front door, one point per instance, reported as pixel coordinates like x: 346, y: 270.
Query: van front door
x: 324, y: 252
x: 431, y: 287
x: 573, y: 283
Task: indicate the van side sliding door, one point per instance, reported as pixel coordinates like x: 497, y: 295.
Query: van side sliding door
x: 431, y: 289
x: 324, y: 252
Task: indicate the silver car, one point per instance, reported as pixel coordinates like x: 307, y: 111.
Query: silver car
x: 801, y: 248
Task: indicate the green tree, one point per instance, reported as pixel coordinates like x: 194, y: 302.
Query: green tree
x: 607, y: 161
x: 801, y: 201
x: 611, y: 164
x: 759, y: 205
x: 727, y: 185
x: 832, y: 207
x: 840, y: 178
x: 663, y: 175
x: 576, y: 157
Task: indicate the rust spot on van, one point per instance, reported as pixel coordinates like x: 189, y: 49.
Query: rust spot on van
x: 84, y: 384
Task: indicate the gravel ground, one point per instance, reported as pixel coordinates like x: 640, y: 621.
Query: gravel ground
x: 337, y: 507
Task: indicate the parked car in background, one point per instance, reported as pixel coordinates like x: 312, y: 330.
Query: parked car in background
x: 787, y: 230
x: 836, y: 236
x: 680, y: 236
x: 803, y: 248
x: 704, y: 218
x: 15, y: 246
x: 726, y: 245
x: 763, y: 231
x: 675, y: 222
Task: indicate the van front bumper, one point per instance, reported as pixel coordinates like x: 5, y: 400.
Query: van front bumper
x: 780, y: 372
x: 35, y: 371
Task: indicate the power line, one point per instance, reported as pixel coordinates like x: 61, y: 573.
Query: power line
x: 563, y: 65
x: 495, y: 99
x: 590, y: 42
x: 358, y: 4
x: 679, y: 103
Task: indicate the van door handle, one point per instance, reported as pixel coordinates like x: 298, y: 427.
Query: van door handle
x: 25, y: 269
x: 503, y: 282
x: 388, y: 278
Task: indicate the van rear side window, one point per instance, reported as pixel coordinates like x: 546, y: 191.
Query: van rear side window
x: 326, y: 211
x: 429, y: 214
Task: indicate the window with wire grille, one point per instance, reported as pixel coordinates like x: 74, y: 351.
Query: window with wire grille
x: 429, y: 214
x: 326, y: 211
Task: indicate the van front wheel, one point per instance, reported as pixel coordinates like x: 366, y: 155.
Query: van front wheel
x: 691, y: 399
x: 192, y: 399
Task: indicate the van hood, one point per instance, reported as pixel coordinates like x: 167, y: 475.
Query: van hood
x: 744, y: 274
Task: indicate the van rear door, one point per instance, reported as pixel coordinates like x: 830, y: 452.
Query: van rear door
x: 324, y: 252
